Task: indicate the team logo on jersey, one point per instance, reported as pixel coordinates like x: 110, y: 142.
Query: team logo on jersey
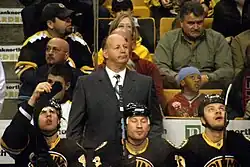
x: 180, y: 161
x: 58, y: 158
x: 142, y: 162
x: 217, y: 162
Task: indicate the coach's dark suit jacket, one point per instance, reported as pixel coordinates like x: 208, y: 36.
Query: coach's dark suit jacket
x: 95, y: 115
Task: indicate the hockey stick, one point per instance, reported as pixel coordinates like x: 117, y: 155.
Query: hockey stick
x: 123, y: 127
x: 225, y: 127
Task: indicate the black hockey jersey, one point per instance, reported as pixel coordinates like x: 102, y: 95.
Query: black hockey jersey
x: 28, y: 147
x: 198, y: 151
x: 157, y: 153
x: 32, y: 54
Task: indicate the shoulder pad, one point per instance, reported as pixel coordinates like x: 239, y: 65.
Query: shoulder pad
x: 37, y: 36
x: 169, y: 142
x: 101, y: 146
x: 246, y: 137
x: 74, y: 37
x: 183, y: 144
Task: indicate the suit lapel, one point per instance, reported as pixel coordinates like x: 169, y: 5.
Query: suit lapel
x: 106, y: 86
x: 129, y: 85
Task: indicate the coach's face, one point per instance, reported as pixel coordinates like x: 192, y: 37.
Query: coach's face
x: 214, y: 115
x: 117, y: 50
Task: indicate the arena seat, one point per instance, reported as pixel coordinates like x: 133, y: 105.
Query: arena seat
x: 166, y: 24
x: 146, y: 30
x: 169, y: 93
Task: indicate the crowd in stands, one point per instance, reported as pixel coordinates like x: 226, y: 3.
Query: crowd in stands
x: 96, y: 100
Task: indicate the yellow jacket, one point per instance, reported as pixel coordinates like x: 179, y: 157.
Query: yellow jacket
x: 150, y: 3
x: 139, y: 50
x: 211, y: 7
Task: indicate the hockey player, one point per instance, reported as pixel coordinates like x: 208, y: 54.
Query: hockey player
x: 211, y: 148
x: 40, y: 145
x: 140, y: 151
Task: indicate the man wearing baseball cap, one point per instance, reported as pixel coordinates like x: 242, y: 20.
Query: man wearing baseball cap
x: 58, y: 22
x: 213, y: 147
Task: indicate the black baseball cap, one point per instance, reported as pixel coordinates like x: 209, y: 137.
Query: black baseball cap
x: 52, y: 10
x: 119, y: 5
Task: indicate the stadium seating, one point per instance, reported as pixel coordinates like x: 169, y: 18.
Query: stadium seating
x: 166, y: 24
x: 169, y: 93
x: 146, y: 30
x: 12, y: 37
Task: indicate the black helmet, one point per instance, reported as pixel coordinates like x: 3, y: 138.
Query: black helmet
x: 209, y: 99
x: 136, y: 109
x: 44, y: 102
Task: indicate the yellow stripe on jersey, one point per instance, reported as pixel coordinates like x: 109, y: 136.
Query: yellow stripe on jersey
x: 22, y: 66
x: 71, y: 62
x: 136, y: 152
x: 37, y: 36
x: 216, y: 145
x: 11, y: 150
x: 87, y: 69
x: 53, y: 145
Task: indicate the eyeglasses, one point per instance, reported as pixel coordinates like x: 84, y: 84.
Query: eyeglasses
x: 54, y: 49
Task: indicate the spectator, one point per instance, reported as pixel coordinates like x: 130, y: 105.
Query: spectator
x: 87, y: 109
x: 139, y: 147
x: 213, y: 147
x: 238, y: 96
x: 162, y: 8
x: 40, y: 145
x: 2, y: 86
x: 125, y: 21
x: 122, y: 6
x: 238, y: 46
x: 32, y: 23
x: 57, y: 52
x: 207, y: 6
x: 186, y: 103
x: 192, y: 45
x: 32, y: 54
x: 231, y: 17
x: 62, y: 73
x: 142, y: 66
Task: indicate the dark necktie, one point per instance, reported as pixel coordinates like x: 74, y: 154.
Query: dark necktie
x: 119, y: 91
x: 116, y: 87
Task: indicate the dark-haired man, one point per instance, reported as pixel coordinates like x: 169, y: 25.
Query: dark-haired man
x: 139, y: 150
x: 58, y: 25
x: 40, y: 145
x: 192, y: 45
x: 57, y: 52
x: 87, y: 109
x: 211, y: 148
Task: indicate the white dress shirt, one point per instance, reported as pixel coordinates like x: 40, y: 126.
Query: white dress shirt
x: 112, y: 78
